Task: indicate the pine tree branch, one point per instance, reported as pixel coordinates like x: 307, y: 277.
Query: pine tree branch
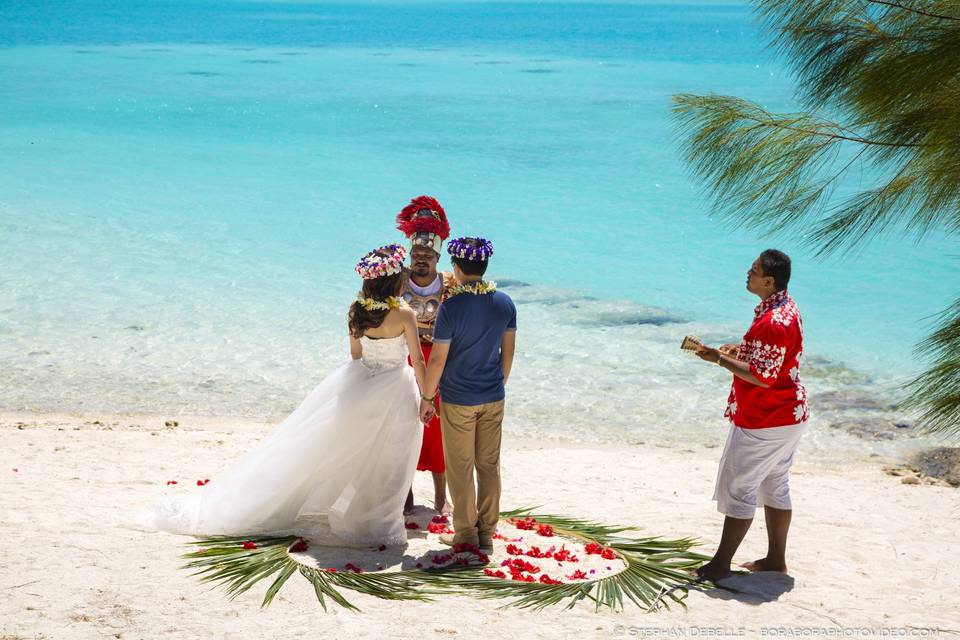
x: 890, y: 76
x: 921, y: 12
x: 865, y: 213
x: 836, y: 136
x: 934, y: 393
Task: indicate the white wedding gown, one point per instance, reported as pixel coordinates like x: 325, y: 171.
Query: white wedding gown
x: 340, y: 464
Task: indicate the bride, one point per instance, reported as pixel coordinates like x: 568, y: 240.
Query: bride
x: 345, y: 457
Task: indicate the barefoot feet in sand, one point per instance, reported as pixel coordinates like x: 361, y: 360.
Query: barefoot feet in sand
x: 763, y: 564
x: 714, y: 571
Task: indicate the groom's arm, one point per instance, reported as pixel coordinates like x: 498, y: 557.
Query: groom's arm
x: 508, y: 346
x: 508, y: 343
x: 438, y: 360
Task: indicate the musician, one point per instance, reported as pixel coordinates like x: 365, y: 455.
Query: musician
x: 767, y: 408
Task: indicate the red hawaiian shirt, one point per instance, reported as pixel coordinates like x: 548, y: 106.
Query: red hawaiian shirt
x: 773, y: 347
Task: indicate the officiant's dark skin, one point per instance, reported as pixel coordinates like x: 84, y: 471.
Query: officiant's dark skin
x: 423, y: 266
x: 423, y: 272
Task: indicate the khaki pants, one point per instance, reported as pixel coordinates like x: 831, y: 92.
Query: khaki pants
x: 471, y: 440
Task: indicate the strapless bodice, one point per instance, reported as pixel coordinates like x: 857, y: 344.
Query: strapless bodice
x: 380, y: 354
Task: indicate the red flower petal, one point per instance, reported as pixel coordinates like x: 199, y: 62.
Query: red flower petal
x: 249, y: 544
x: 564, y: 555
x: 519, y: 564
x: 526, y: 524
x: 437, y: 528
x: 412, y: 525
x: 465, y: 547
x: 299, y: 546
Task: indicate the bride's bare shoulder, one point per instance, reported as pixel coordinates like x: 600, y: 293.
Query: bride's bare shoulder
x: 405, y: 310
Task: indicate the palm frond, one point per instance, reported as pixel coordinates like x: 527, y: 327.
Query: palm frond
x: 224, y: 561
x: 935, y: 392
x: 657, y: 572
x: 594, y: 530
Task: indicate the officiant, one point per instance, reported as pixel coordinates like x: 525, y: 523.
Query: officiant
x: 424, y: 223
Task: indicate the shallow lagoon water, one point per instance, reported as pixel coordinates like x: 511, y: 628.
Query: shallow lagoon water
x: 182, y: 199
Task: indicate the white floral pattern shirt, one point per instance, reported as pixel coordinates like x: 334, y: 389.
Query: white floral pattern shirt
x: 773, y: 347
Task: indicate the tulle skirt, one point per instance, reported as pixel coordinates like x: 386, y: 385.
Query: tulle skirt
x: 337, y: 468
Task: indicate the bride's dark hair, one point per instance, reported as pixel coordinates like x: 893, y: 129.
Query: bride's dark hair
x: 358, y: 318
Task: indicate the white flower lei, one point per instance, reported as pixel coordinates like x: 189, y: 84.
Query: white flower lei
x: 475, y: 288
x: 378, y: 305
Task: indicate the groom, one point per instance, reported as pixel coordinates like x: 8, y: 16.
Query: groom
x: 474, y: 339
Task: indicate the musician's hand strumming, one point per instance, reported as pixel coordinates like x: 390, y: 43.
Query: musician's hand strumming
x: 709, y: 354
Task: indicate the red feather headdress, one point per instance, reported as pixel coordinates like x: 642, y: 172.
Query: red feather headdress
x: 424, y: 215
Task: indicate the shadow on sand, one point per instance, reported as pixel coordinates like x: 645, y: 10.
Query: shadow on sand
x: 752, y: 588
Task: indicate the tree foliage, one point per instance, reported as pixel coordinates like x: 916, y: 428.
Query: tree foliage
x: 879, y: 82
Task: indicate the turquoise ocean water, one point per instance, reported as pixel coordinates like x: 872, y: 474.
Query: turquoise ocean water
x: 185, y: 186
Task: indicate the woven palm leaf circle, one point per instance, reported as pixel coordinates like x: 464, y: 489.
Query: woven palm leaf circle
x: 537, y: 561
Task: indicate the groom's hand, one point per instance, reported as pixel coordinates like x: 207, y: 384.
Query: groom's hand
x: 427, y: 411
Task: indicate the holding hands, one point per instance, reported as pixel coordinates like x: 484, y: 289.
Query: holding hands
x: 427, y: 410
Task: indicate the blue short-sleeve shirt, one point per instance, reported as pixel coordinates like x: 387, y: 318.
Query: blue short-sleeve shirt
x: 473, y: 326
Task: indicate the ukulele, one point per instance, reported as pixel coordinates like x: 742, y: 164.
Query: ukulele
x: 692, y: 343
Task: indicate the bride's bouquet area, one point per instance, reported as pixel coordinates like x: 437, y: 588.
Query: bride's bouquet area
x: 537, y: 561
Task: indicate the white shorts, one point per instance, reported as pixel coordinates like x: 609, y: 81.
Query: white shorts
x: 755, y: 469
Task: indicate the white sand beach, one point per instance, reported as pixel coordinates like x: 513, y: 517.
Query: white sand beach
x: 866, y: 550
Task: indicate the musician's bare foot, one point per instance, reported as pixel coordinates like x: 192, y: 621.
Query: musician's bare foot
x: 408, y: 504
x: 714, y: 571
x: 763, y: 564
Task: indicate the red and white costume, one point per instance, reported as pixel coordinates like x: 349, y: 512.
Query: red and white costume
x: 766, y: 422
x: 424, y: 222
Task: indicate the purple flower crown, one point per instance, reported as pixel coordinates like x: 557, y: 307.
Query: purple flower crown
x: 372, y: 266
x: 465, y: 249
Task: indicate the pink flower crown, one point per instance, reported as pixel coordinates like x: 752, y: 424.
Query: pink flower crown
x: 374, y: 265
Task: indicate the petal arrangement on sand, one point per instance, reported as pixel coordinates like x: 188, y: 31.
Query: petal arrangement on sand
x: 536, y: 561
